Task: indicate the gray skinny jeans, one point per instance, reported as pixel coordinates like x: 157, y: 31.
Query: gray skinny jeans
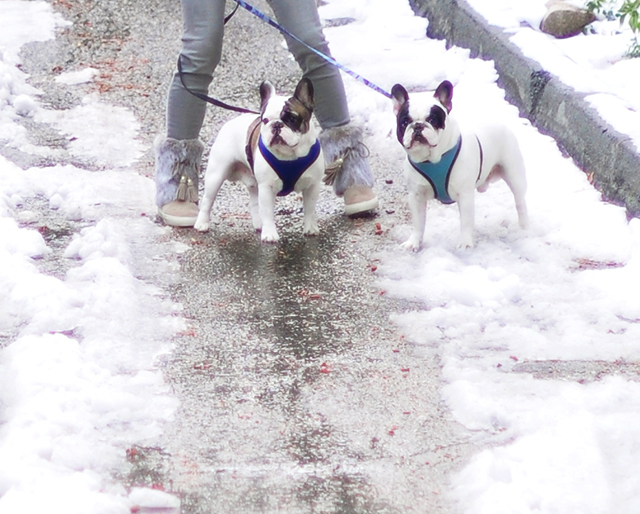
x: 202, y: 47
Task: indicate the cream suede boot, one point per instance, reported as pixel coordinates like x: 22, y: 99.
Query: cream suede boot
x: 348, y: 169
x: 177, y: 174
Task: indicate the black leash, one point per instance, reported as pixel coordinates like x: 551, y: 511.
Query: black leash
x: 269, y: 21
x: 208, y: 99
x: 227, y: 18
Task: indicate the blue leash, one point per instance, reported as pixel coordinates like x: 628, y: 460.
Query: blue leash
x: 274, y: 24
x: 269, y: 21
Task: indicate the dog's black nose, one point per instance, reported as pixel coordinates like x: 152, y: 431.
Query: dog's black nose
x: 417, y: 131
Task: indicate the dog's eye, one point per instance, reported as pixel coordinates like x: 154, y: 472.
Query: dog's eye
x: 404, y: 122
x: 437, y: 118
x: 265, y: 120
x: 291, y: 120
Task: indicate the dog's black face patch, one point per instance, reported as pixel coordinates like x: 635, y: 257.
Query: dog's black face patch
x: 292, y: 119
x: 296, y: 115
x: 404, y: 120
x: 437, y: 118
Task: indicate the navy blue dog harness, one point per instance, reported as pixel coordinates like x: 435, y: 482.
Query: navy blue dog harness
x: 437, y: 174
x: 289, y: 171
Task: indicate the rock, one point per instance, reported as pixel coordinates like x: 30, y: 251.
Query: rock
x: 564, y: 20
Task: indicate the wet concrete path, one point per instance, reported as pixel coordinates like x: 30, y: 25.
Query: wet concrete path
x: 298, y: 394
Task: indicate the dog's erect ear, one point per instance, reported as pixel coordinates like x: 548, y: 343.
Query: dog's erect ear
x: 400, y: 97
x: 444, y: 94
x: 266, y: 91
x: 304, y: 92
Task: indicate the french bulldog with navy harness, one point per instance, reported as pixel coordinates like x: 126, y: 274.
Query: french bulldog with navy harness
x: 273, y: 154
x: 447, y: 163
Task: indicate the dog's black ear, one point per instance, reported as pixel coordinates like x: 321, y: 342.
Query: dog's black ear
x: 304, y: 92
x: 444, y: 94
x: 400, y: 97
x: 266, y: 91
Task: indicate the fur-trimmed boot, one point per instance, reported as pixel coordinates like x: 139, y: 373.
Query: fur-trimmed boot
x: 348, y: 168
x: 177, y: 173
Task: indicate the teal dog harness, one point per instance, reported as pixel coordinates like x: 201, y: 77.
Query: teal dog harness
x: 437, y: 174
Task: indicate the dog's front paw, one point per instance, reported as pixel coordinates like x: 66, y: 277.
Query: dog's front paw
x: 201, y: 225
x: 269, y: 236
x: 465, y: 242
x: 413, y: 244
x: 311, y: 229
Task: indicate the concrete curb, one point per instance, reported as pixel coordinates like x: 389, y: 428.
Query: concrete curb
x: 554, y: 108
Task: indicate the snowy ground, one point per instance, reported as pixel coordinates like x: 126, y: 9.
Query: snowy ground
x: 78, y: 385
x: 557, y: 292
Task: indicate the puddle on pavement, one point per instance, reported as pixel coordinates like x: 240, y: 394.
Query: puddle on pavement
x: 295, y: 292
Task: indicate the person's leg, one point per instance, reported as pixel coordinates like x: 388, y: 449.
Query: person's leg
x: 178, y: 155
x: 341, y: 141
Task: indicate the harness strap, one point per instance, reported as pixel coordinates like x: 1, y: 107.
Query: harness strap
x: 253, y: 133
x: 289, y: 171
x: 481, y: 157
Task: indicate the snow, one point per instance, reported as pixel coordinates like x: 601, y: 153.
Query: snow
x: 153, y: 499
x: 110, y: 142
x: 73, y: 78
x: 78, y: 385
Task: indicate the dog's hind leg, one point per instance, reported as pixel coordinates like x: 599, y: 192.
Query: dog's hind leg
x: 515, y: 177
x: 521, y: 207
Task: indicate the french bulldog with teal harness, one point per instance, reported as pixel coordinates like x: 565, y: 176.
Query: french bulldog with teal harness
x: 273, y: 154
x: 449, y: 164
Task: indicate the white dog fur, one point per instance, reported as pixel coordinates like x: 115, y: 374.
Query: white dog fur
x: 427, y: 130
x: 288, y: 133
